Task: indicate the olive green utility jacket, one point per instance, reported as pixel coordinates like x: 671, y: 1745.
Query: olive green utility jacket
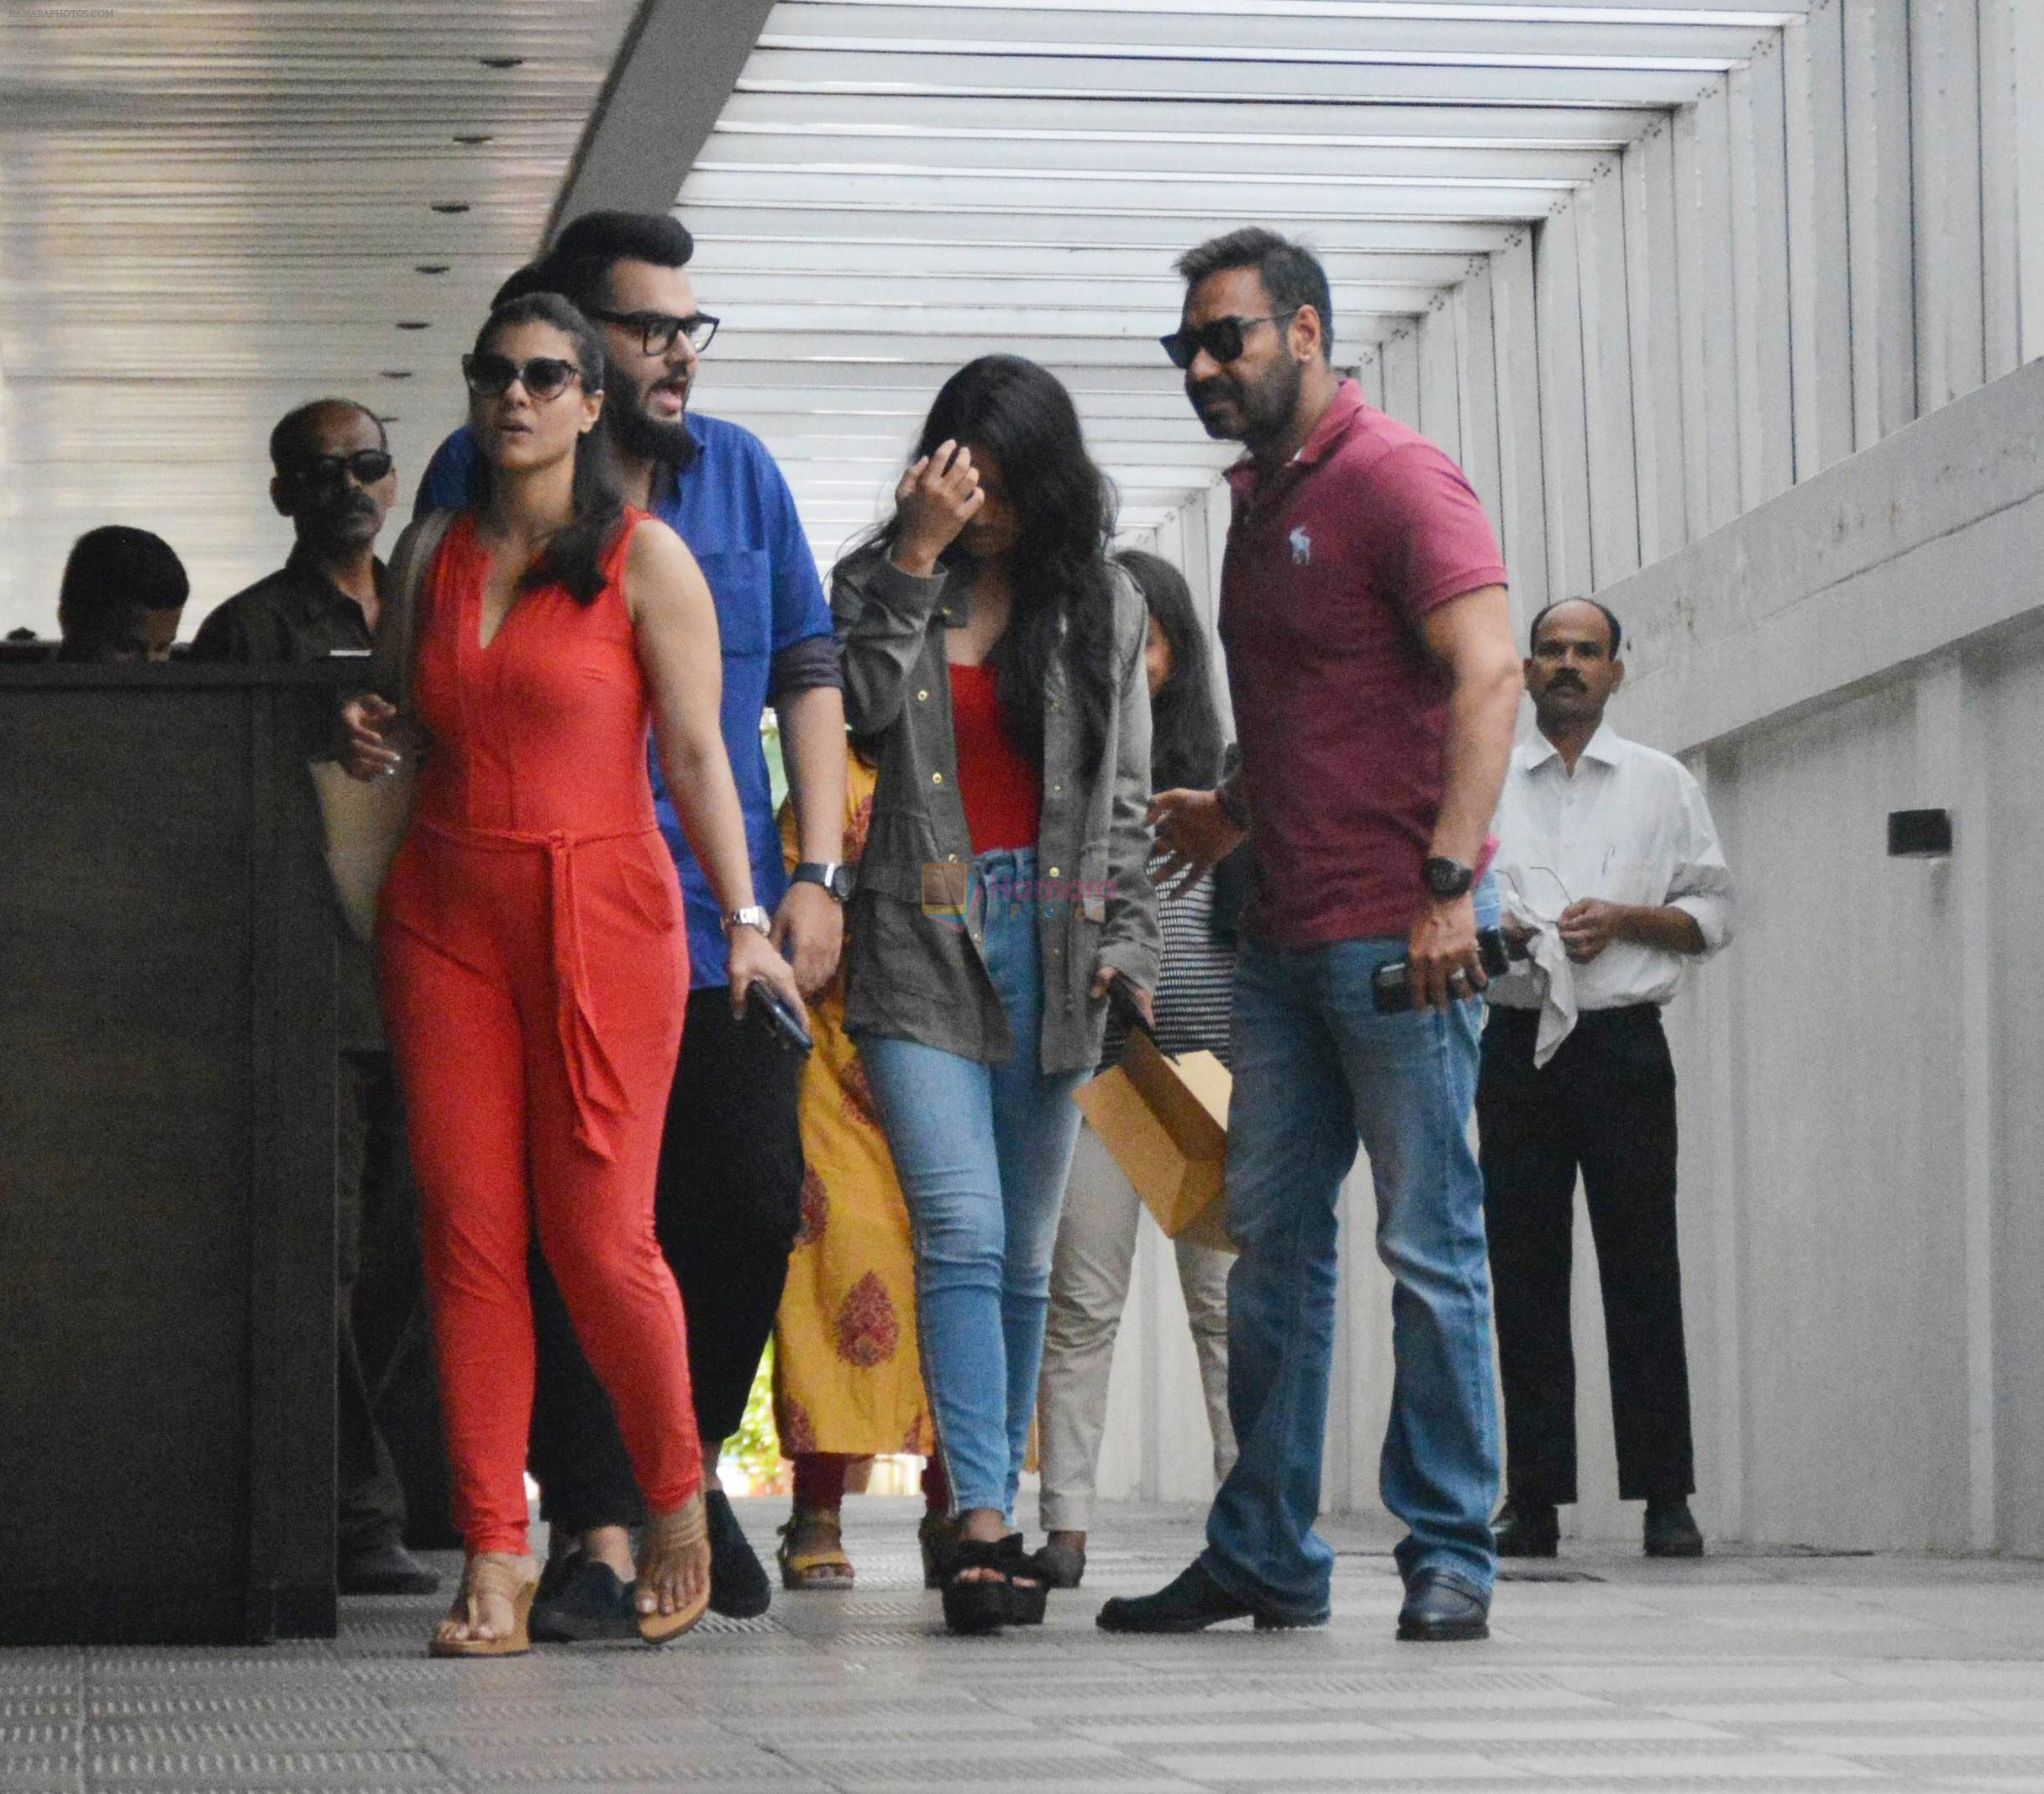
x: 917, y: 968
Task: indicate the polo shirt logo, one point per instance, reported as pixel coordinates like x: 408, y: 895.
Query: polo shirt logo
x: 1302, y: 547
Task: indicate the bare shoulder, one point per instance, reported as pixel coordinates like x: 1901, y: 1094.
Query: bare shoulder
x: 655, y: 550
x: 659, y: 568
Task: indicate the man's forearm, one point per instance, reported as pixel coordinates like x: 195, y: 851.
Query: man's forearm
x: 1481, y: 711
x: 812, y: 746
x: 1661, y: 926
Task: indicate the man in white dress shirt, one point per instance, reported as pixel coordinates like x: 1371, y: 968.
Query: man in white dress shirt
x: 1613, y: 881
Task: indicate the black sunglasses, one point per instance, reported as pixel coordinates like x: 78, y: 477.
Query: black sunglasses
x: 1221, y: 339
x: 657, y: 330
x: 365, y: 465
x: 542, y: 377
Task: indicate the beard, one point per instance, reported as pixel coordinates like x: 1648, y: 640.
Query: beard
x: 1264, y: 408
x: 646, y: 439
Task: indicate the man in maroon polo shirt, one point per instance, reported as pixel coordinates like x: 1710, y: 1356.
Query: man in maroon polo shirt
x: 1376, y: 684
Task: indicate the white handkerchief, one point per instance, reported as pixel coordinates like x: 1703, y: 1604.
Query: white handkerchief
x: 1554, y: 973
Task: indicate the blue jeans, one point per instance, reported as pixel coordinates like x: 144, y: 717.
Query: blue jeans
x: 984, y: 1151
x: 1316, y: 1067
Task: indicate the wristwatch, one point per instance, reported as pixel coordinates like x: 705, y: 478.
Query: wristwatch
x: 753, y: 916
x: 1447, y: 878
x: 834, y: 875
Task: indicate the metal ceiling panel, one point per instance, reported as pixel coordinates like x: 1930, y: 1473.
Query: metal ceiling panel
x: 895, y: 185
x: 212, y: 210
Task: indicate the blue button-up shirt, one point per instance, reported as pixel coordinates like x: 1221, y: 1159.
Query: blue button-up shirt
x: 732, y: 507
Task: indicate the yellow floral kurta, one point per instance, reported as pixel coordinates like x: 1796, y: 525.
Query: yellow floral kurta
x: 847, y: 1378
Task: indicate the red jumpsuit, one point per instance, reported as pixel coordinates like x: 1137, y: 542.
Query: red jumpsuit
x: 535, y: 974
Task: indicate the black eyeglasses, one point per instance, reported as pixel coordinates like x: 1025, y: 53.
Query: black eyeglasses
x: 542, y: 377
x: 657, y: 330
x: 366, y: 466
x: 1221, y: 338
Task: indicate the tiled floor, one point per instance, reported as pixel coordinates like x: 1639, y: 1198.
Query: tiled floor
x: 1606, y: 1672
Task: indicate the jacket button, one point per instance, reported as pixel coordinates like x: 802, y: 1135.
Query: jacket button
x: 922, y: 697
x: 1053, y: 872
x: 952, y: 857
x: 936, y: 778
x: 1057, y: 790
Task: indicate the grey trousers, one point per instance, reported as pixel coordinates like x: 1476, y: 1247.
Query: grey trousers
x: 1089, y: 1287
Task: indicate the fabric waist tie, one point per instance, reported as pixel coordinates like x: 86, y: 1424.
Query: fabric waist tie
x: 599, y: 1091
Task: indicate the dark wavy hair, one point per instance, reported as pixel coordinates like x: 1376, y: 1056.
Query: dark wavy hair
x: 1063, y: 586
x: 573, y: 558
x: 1185, y: 737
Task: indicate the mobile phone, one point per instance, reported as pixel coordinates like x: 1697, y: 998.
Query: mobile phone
x: 765, y: 1008
x: 1121, y: 1000
x: 1389, y: 986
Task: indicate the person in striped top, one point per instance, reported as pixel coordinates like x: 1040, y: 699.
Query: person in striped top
x: 1096, y: 1236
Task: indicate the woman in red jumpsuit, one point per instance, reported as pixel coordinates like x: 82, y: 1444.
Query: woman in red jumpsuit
x: 535, y: 964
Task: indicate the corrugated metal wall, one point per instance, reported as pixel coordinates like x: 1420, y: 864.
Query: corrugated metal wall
x: 1821, y: 249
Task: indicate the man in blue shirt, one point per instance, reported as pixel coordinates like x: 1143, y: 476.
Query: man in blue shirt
x: 729, y: 1201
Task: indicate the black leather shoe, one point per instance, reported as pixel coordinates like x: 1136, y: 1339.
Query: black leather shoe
x: 1440, y: 1610
x: 589, y: 1604
x: 1671, y: 1530
x: 738, y: 1588
x: 1526, y: 1528
x: 1192, y: 1603
x: 385, y: 1569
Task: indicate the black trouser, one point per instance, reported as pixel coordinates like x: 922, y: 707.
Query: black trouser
x: 379, y: 1296
x: 728, y: 1209
x: 1604, y: 1105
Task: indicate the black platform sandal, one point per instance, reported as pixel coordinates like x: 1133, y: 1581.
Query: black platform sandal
x: 1028, y: 1592
x: 937, y: 1534
x: 979, y: 1604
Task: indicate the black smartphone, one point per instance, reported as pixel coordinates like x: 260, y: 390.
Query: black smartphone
x: 765, y: 1008
x: 1121, y: 1000
x: 1389, y: 986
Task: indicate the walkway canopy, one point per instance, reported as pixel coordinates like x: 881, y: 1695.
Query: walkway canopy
x: 212, y: 209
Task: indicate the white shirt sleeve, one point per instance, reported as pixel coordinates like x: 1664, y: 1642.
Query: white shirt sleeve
x: 1700, y: 883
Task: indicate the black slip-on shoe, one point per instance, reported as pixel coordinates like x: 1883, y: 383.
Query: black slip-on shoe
x: 590, y: 1604
x: 738, y: 1588
x: 1528, y: 1529
x: 554, y: 1573
x: 1191, y: 1603
x: 1440, y: 1610
x: 388, y: 1569
x: 1671, y: 1530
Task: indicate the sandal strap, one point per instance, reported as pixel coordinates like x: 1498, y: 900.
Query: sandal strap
x: 496, y: 1573
x: 977, y: 1554
x: 679, y: 1529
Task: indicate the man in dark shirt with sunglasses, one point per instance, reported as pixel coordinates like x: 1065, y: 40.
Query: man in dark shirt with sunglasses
x: 335, y: 480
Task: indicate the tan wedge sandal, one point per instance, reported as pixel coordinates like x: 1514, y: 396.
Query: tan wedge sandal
x: 497, y: 1574
x: 668, y: 1533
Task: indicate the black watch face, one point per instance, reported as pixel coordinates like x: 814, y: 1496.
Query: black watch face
x: 1447, y: 878
x: 841, y: 883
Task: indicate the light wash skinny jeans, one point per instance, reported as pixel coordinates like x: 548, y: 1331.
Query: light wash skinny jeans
x: 983, y: 1151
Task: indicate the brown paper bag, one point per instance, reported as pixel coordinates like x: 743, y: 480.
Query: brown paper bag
x: 1165, y: 1122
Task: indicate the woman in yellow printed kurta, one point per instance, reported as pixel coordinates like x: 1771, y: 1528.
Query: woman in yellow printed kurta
x: 846, y: 1382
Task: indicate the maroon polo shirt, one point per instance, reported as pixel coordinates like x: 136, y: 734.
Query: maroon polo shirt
x: 1331, y: 561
